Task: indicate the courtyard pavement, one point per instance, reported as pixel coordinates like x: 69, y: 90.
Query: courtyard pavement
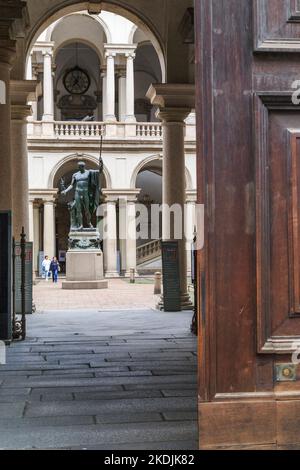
x: 101, y: 379
x: 119, y: 295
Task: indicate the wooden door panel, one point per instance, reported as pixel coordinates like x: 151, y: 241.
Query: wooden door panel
x: 278, y: 222
x: 276, y: 25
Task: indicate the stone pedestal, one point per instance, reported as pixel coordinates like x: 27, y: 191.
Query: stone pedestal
x: 84, y: 262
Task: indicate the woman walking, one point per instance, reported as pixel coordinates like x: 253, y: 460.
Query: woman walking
x: 54, y: 268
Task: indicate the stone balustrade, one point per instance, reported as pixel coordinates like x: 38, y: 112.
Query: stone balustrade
x: 73, y: 130
x: 148, y: 251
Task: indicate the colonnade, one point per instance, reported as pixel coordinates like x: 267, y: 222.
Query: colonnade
x: 109, y: 73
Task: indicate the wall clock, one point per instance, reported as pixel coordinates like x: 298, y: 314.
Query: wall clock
x: 77, y: 81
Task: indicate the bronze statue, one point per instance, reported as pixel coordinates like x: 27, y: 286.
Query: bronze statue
x: 87, y: 195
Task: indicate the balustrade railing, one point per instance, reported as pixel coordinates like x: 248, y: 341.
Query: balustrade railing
x: 92, y: 130
x: 148, y: 251
x: 149, y: 130
x: 79, y: 129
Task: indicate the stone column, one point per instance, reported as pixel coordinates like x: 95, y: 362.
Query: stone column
x: 7, y: 54
x: 175, y: 102
x: 122, y: 234
x: 110, y: 236
x: 49, y: 228
x: 21, y: 92
x: 31, y: 222
x: 174, y: 184
x: 130, y: 117
x: 130, y: 235
x: 110, y: 87
x: 104, y: 91
x: 48, y: 114
x: 36, y: 237
x: 33, y: 104
x: 190, y: 223
x: 122, y: 95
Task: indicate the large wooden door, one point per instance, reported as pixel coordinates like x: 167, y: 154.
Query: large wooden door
x: 248, y: 58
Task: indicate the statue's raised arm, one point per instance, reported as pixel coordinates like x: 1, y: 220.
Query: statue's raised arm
x: 66, y: 191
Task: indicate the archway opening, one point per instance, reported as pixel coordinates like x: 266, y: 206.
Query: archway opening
x: 77, y: 86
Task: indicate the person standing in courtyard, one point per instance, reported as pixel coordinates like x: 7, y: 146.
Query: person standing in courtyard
x: 46, y: 267
x: 54, y: 268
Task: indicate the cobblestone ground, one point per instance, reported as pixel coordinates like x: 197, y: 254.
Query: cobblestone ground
x: 119, y: 295
x: 99, y: 379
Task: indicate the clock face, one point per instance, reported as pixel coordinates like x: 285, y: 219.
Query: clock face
x: 76, y: 81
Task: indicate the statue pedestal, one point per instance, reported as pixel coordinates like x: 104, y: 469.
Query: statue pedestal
x: 84, y: 262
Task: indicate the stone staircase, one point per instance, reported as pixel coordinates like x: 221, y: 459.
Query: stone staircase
x: 149, y: 257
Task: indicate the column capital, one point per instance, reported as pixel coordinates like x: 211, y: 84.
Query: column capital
x: 103, y: 70
x: 23, y: 91
x: 173, y: 115
x: 14, y: 18
x: 130, y: 195
x: 120, y: 49
x: 110, y: 54
x: 176, y: 95
x: 20, y: 112
x: 43, y: 195
x: 191, y: 196
x: 49, y: 202
x: 47, y: 53
x: 7, y: 52
x: 44, y: 47
x: 130, y: 55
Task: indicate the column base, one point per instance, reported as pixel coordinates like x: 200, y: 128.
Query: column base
x: 48, y: 117
x: 112, y: 274
x: 185, y: 301
x: 110, y: 118
x: 127, y: 274
x: 130, y: 119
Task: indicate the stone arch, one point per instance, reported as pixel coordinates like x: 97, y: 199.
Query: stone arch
x: 132, y: 33
x: 188, y: 179
x: 83, y: 41
x: 140, y: 166
x: 2, y: 92
x: 143, y: 163
x: 113, y: 6
x: 67, y: 161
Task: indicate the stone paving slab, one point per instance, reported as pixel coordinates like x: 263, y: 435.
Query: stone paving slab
x: 179, y: 415
x: 67, y: 382
x: 129, y: 418
x: 13, y: 410
x: 103, y: 436
x: 29, y: 423
x: 95, y: 407
x: 42, y: 367
x: 117, y: 395
x: 179, y: 393
x: 167, y: 446
x: 66, y: 371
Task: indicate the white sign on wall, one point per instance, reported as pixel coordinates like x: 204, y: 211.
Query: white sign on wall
x: 2, y: 92
x: 2, y: 353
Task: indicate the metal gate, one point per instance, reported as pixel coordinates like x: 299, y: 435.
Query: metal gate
x: 22, y: 285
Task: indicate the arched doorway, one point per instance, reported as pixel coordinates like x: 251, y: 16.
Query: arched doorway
x: 149, y: 180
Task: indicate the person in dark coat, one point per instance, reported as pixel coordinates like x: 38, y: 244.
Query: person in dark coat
x: 54, y: 268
